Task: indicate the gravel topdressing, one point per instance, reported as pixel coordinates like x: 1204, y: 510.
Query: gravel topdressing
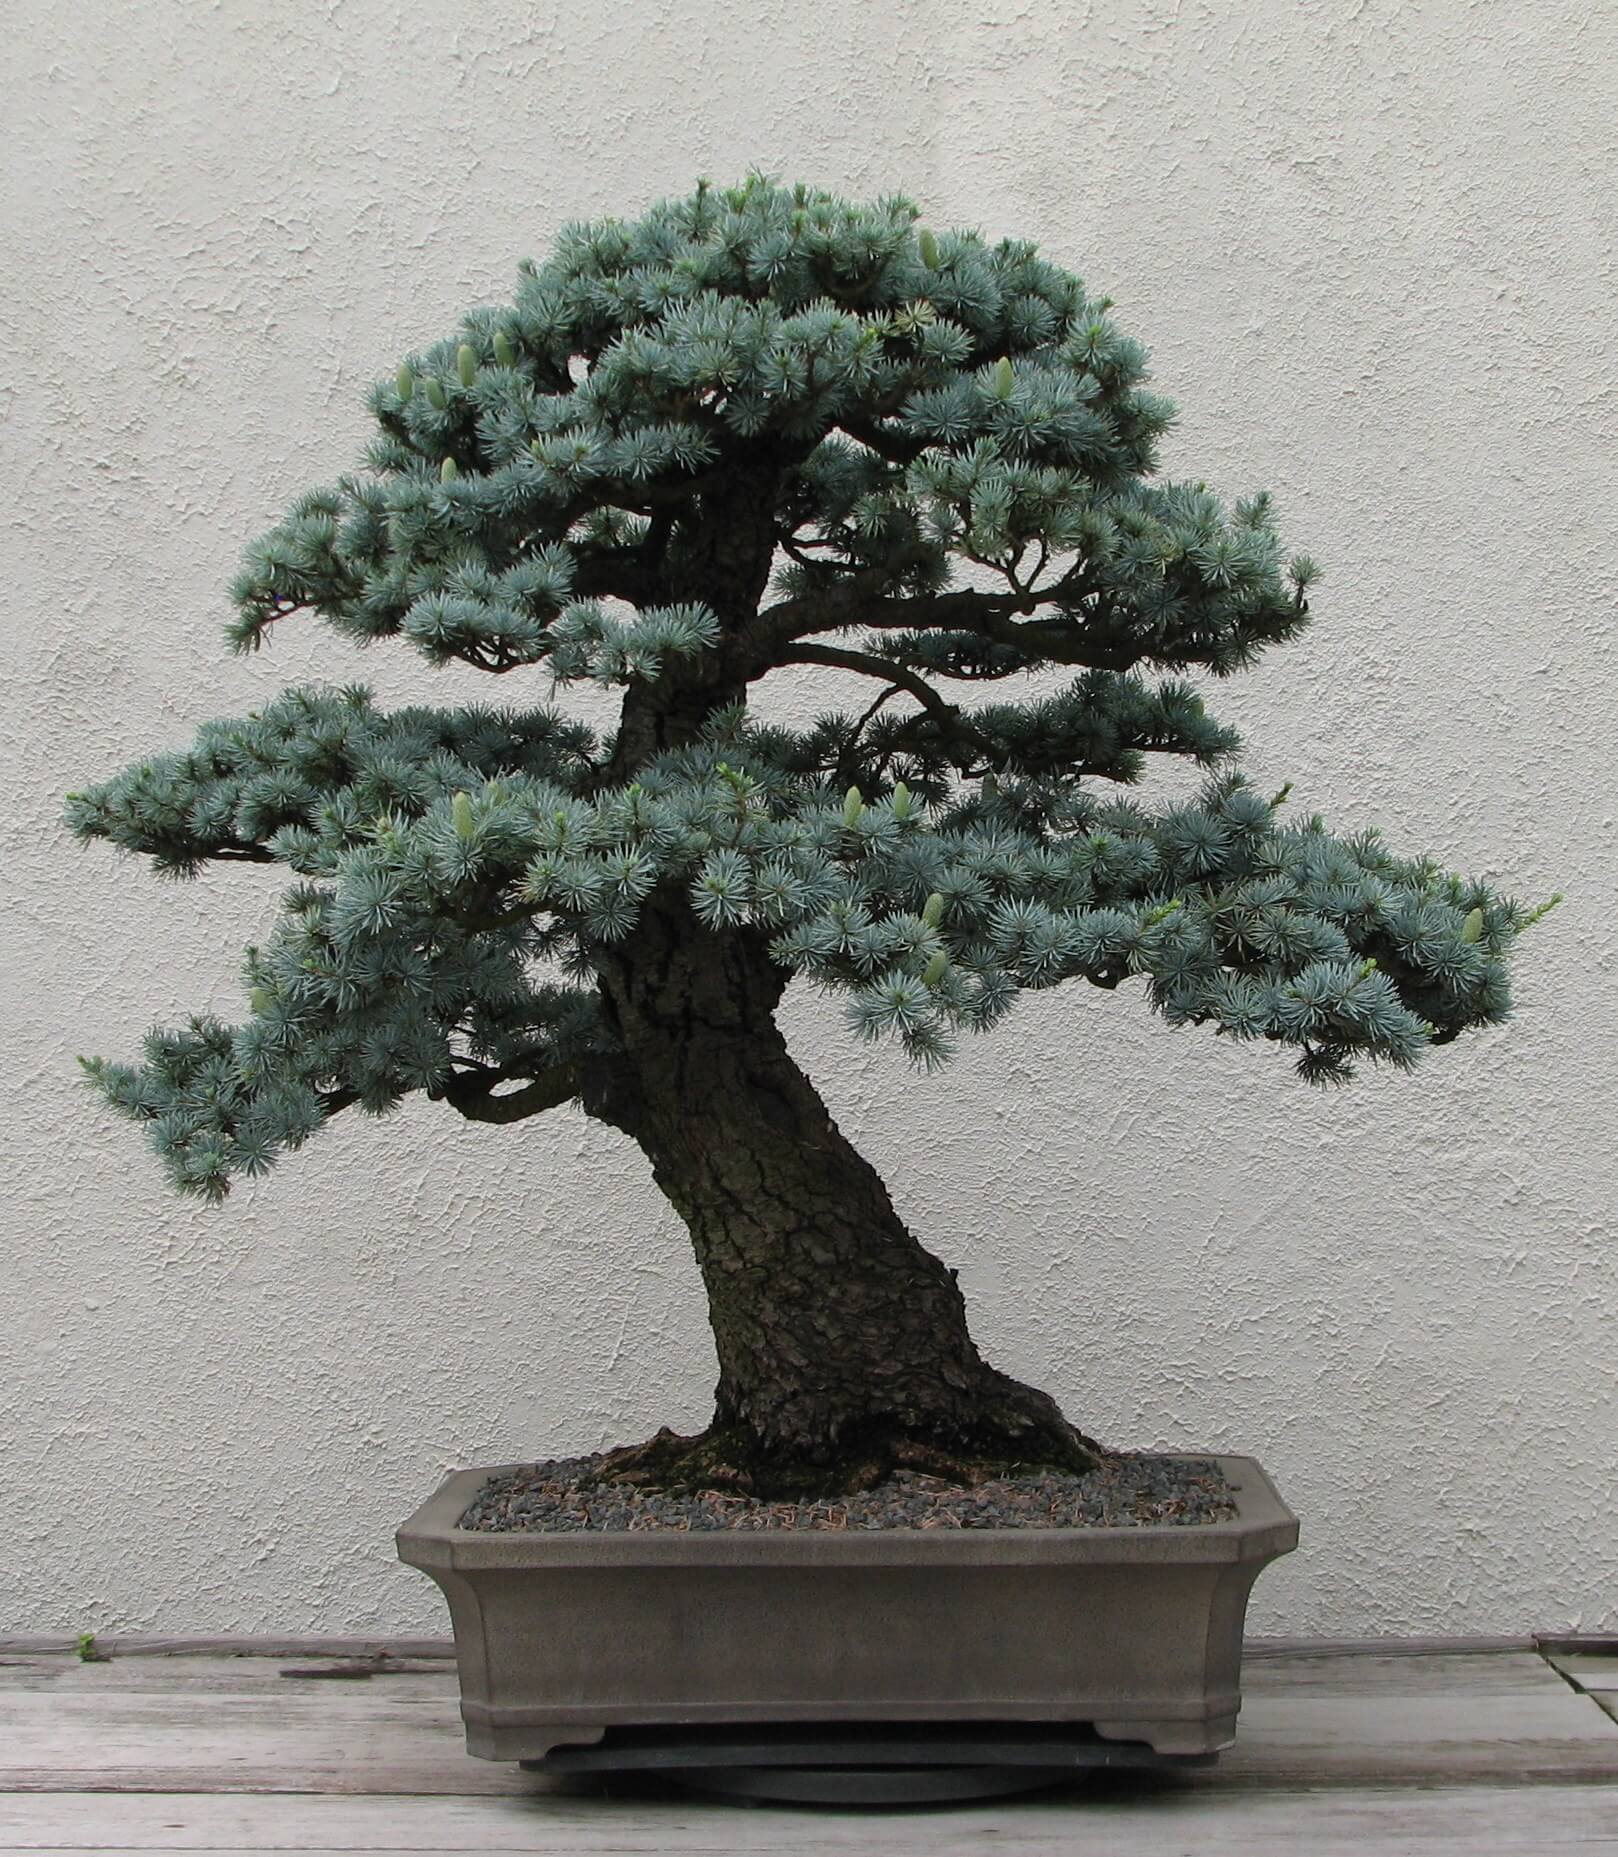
x: 559, y: 1497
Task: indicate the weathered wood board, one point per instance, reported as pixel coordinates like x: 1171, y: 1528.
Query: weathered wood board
x: 1361, y: 1752
x: 1537, y: 1821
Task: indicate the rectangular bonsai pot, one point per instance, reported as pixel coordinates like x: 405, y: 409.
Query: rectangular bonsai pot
x: 1135, y: 1631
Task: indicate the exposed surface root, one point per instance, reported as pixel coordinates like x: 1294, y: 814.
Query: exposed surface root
x: 729, y: 1459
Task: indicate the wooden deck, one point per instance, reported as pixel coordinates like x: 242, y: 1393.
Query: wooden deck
x: 1343, y: 1750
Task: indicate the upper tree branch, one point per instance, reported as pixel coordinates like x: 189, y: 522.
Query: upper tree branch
x: 859, y: 600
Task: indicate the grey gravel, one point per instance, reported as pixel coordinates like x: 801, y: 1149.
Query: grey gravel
x: 560, y: 1497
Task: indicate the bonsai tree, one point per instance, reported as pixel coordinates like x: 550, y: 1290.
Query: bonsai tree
x: 756, y: 430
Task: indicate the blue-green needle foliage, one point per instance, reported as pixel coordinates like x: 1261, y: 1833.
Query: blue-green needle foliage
x: 539, y: 493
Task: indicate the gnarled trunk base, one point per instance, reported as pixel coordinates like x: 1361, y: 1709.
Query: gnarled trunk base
x: 730, y: 1457
x: 842, y: 1342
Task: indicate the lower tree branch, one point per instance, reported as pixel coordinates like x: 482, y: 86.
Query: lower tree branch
x: 953, y: 730
x: 471, y: 1092
x: 867, y: 664
x: 896, y: 446
x: 846, y: 770
x: 940, y: 727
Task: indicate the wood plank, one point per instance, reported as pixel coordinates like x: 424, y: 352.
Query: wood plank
x: 1392, y: 1741
x: 224, y: 1675
x: 150, y: 1644
x: 31, y: 1672
x: 1254, y: 1649
x: 1147, y: 1823
x: 1591, y: 1671
x: 1380, y: 1673
x: 1296, y: 1672
x: 278, y: 1737
x: 234, y: 1724
x: 372, y: 1739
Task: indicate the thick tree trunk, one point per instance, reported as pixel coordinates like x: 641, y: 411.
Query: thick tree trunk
x: 842, y: 1342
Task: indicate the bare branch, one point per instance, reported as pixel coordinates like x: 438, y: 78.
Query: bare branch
x: 1059, y: 642
x: 614, y: 573
x: 896, y: 447
x: 868, y: 665
x: 471, y: 1092
x: 795, y: 545
x: 861, y: 600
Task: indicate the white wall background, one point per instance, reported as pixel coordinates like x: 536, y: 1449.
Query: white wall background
x: 1372, y: 247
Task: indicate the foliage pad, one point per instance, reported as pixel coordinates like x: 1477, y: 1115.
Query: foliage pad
x: 757, y: 428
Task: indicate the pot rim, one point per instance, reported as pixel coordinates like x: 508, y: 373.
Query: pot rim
x: 1262, y: 1528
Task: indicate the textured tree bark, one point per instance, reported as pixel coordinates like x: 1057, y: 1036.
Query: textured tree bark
x: 843, y: 1346
x: 842, y: 1342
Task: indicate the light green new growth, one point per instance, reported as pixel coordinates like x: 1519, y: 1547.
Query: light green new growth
x: 893, y: 405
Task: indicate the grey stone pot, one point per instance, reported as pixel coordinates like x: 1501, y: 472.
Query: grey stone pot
x: 1136, y: 1631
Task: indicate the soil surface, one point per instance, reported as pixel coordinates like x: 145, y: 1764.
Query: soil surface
x: 562, y: 1497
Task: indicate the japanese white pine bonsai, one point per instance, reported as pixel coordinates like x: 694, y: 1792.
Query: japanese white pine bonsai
x: 754, y: 429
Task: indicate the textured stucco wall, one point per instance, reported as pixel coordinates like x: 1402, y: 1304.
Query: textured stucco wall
x: 1371, y: 245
